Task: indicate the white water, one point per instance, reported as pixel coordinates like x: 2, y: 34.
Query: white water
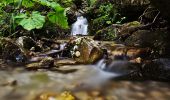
x: 97, y: 76
x: 80, y: 27
x: 101, y: 66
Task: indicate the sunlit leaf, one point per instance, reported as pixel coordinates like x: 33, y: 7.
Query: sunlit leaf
x: 33, y: 21
x: 27, y: 3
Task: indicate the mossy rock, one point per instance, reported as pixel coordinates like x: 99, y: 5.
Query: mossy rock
x: 86, y: 51
x: 127, y: 29
x: 106, y: 34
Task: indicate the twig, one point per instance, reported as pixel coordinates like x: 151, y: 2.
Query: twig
x: 13, y: 34
x: 156, y: 17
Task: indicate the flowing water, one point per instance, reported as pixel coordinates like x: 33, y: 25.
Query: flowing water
x: 89, y: 82
x: 86, y: 82
x: 80, y: 27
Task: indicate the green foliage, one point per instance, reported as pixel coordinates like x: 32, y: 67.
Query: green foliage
x: 66, y: 3
x: 26, y: 3
x: 33, y: 21
x: 30, y: 15
x: 106, y: 34
x: 104, y: 14
x: 108, y: 14
x: 55, y: 17
x: 92, y: 2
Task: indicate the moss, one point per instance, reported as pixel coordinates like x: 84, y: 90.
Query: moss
x: 133, y: 24
x: 106, y: 34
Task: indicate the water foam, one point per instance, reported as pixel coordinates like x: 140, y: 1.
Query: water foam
x: 80, y: 27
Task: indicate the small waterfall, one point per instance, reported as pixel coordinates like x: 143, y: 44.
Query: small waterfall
x: 80, y: 27
x: 101, y: 66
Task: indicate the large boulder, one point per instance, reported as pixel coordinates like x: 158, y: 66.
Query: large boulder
x: 157, y: 40
x: 158, y: 69
x: 86, y: 50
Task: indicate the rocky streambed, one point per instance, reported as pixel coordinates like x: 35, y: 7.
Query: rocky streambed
x: 80, y: 69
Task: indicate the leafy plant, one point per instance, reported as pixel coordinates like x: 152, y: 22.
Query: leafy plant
x: 55, y: 17
x: 30, y: 15
x: 92, y: 2
x: 33, y: 21
x: 103, y: 15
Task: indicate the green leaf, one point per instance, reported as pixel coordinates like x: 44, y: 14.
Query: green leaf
x: 58, y: 18
x: 53, y: 5
x: 108, y: 22
x: 6, y: 2
x: 33, y: 21
x: 43, y: 2
x: 56, y: 6
x: 58, y: 15
x: 27, y: 3
x: 21, y: 16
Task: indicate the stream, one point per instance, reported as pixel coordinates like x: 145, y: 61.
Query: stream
x: 47, y: 74
x: 86, y: 82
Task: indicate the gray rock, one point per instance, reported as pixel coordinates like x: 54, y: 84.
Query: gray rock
x: 158, y: 69
x: 122, y: 67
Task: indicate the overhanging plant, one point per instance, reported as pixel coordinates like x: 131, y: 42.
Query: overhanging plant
x: 25, y: 14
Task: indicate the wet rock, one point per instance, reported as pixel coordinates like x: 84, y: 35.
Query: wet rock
x: 11, y: 51
x: 158, y: 40
x: 54, y: 96
x: 158, y: 69
x: 127, y: 29
x: 122, y: 67
x: 60, y: 62
x: 34, y: 65
x: 27, y: 43
x: 130, y: 53
x: 86, y: 51
x: 46, y: 62
x: 110, y: 46
x: 142, y: 38
x: 138, y: 52
x: 121, y: 52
